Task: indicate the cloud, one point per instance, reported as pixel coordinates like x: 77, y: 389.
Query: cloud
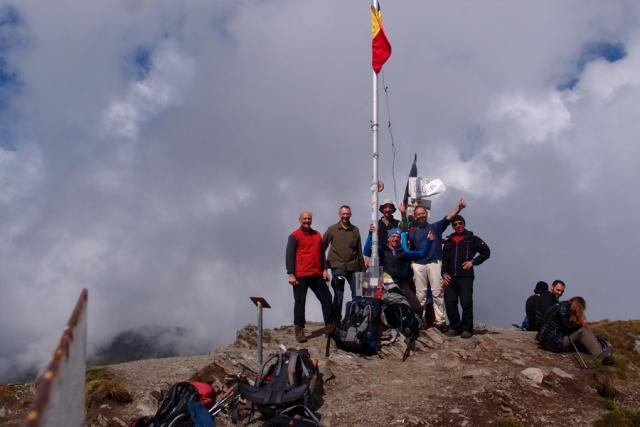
x: 158, y: 153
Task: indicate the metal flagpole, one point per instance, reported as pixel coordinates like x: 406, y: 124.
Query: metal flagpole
x: 375, y: 262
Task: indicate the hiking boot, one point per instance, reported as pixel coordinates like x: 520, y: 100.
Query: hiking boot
x: 466, y: 335
x: 453, y: 333
x: 606, y: 357
x: 300, y: 334
x: 329, y: 328
x: 442, y: 327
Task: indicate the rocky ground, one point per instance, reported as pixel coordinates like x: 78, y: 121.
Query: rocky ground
x: 497, y: 374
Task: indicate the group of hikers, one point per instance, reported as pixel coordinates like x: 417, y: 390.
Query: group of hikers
x: 412, y: 252
x: 417, y: 259
x: 562, y: 324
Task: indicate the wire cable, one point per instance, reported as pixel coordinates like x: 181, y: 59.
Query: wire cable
x: 393, y: 144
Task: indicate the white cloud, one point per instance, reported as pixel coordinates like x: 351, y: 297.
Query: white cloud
x: 171, y: 72
x: 174, y: 195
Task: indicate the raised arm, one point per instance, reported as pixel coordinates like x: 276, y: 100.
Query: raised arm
x: 367, y: 245
x: 456, y: 211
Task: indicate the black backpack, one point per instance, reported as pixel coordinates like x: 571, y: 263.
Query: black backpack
x: 295, y: 416
x: 284, y: 379
x: 174, y: 410
x: 398, y: 314
x: 360, y: 329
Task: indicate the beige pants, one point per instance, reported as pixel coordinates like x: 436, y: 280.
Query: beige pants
x: 431, y: 274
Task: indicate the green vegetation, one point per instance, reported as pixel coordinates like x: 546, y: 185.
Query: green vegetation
x: 618, y: 417
x: 101, y: 387
x: 507, y: 422
x: 622, y: 335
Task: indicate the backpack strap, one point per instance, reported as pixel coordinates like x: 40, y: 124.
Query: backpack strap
x: 291, y: 372
x: 266, y: 362
x: 234, y: 403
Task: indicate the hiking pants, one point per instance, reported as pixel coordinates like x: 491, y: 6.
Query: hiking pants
x: 338, y: 294
x: 586, y: 337
x: 319, y: 287
x: 460, y: 288
x: 430, y: 273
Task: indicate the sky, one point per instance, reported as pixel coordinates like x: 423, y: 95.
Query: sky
x: 158, y: 153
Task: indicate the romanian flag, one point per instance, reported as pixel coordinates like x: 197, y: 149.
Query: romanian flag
x: 380, y: 44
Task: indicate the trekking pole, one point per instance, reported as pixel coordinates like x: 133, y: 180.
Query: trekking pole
x: 223, y: 404
x: 576, y: 349
x: 220, y: 404
x: 260, y: 302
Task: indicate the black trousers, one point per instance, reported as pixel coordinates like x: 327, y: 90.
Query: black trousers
x: 460, y: 289
x: 319, y: 287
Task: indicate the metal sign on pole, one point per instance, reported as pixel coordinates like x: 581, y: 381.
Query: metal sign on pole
x: 260, y: 303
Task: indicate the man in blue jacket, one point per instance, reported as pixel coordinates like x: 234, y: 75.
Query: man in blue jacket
x: 427, y: 269
x: 459, y: 258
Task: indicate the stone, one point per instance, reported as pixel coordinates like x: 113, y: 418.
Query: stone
x: 327, y: 373
x: 434, y: 335
x: 562, y: 374
x: 119, y: 421
x: 514, y: 359
x: 476, y: 373
x: 148, y: 406
x: 487, y: 343
x: 534, y: 374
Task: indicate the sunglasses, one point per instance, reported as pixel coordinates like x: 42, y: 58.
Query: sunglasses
x: 457, y: 223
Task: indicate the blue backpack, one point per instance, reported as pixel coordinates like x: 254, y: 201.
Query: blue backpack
x: 360, y: 330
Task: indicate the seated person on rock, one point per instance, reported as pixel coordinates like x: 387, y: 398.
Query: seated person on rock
x: 552, y: 297
x: 395, y: 261
x: 532, y: 307
x: 565, y: 324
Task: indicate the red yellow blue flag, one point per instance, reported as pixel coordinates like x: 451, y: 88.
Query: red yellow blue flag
x: 380, y: 42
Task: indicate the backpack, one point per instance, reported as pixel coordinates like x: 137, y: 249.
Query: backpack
x: 360, y: 329
x: 284, y: 379
x: 174, y: 410
x: 295, y: 416
x: 398, y: 314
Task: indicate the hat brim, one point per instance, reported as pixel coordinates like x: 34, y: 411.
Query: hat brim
x: 394, y: 208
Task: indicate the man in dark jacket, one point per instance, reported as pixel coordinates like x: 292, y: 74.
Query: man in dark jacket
x: 549, y: 299
x: 305, y: 264
x: 532, y: 306
x: 459, y: 258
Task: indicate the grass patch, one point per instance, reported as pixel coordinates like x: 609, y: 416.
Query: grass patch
x: 9, y: 391
x: 507, y: 422
x: 101, y: 387
x: 604, y: 379
x: 623, y: 336
x: 619, y: 416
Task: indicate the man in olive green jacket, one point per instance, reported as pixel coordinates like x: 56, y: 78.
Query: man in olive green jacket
x: 345, y: 255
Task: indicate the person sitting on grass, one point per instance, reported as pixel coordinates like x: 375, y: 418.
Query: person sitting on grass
x: 565, y: 325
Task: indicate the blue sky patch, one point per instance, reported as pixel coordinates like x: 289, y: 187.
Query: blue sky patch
x: 10, y: 81
x: 611, y: 52
x: 138, y: 63
x: 475, y: 139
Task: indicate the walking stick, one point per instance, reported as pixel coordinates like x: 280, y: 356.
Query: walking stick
x: 578, y: 353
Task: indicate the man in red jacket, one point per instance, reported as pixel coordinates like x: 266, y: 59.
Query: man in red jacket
x: 305, y: 264
x: 459, y: 258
